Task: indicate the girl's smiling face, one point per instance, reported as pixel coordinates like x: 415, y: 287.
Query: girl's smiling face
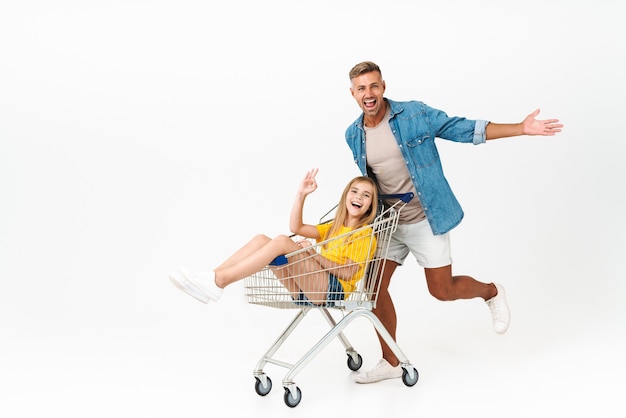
x: 359, y: 199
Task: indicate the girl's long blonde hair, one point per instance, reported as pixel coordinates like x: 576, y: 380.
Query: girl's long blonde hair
x: 342, y: 211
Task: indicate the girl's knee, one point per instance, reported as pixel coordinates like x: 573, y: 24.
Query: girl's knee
x: 283, y: 239
x: 261, y: 238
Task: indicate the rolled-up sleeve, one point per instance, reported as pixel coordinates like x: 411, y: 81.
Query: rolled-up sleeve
x: 480, y: 132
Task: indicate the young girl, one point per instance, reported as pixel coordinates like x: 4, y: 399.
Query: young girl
x: 335, y: 270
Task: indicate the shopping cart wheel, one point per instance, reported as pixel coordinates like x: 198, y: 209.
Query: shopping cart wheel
x: 290, y: 400
x: 263, y: 389
x: 353, y: 364
x: 410, y: 377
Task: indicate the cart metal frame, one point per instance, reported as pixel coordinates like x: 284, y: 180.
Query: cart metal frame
x: 264, y: 288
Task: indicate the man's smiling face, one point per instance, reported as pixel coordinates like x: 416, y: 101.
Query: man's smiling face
x: 368, y: 90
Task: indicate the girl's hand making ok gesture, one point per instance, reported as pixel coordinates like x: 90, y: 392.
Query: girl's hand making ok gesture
x: 308, y: 184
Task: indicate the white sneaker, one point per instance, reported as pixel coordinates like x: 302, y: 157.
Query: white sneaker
x: 383, y: 370
x: 183, y: 284
x: 204, y: 283
x: 499, y: 310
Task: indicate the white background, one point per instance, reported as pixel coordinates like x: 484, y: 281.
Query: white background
x: 137, y: 136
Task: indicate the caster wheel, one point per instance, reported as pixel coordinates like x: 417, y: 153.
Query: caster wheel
x: 355, y: 365
x: 290, y: 400
x: 408, y: 379
x: 262, y: 389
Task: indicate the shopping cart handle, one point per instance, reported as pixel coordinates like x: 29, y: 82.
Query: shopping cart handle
x: 405, y: 197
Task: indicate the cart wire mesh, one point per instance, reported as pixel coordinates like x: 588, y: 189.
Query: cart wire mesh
x: 283, y: 282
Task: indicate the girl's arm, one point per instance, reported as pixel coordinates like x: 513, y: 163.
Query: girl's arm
x: 307, y: 186
x: 342, y: 271
x: 358, y: 251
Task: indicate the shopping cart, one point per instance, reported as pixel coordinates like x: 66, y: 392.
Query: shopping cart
x: 269, y: 287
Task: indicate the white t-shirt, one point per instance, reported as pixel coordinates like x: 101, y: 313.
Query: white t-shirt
x: 387, y: 163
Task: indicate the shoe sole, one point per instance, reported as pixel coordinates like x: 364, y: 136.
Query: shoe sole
x: 189, y: 280
x: 376, y: 380
x: 365, y: 379
x: 183, y: 284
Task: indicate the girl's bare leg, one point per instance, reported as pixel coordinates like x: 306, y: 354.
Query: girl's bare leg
x: 252, y: 246
x: 311, y: 280
x: 283, y: 274
x: 238, y: 267
x: 303, y: 274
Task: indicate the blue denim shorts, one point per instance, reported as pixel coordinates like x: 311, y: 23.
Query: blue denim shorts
x: 335, y: 292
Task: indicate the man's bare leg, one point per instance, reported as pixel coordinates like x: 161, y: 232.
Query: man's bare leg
x: 444, y: 286
x: 386, y: 312
x: 387, y: 367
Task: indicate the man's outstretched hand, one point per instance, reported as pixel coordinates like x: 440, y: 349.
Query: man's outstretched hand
x: 548, y: 127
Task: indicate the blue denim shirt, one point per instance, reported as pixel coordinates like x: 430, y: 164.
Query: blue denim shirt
x: 415, y: 127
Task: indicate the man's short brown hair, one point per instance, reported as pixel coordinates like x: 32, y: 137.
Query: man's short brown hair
x: 364, y: 67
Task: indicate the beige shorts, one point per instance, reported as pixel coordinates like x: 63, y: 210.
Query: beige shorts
x: 430, y: 251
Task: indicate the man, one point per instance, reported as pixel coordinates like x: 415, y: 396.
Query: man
x: 394, y: 142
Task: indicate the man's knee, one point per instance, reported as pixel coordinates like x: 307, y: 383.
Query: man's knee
x: 439, y: 281
x: 439, y: 292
